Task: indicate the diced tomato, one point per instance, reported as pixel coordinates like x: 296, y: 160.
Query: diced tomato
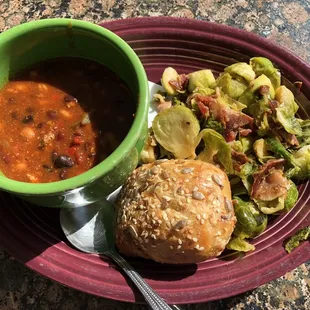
x: 72, y: 150
x: 80, y: 157
x: 77, y: 140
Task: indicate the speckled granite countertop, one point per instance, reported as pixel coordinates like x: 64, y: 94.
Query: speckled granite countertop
x: 285, y: 22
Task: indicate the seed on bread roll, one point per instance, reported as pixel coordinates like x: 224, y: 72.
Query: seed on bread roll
x: 175, y: 211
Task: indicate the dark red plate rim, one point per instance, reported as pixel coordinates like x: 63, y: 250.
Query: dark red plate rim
x: 33, y: 236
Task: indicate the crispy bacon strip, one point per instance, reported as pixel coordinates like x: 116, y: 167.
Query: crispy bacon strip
x: 232, y: 120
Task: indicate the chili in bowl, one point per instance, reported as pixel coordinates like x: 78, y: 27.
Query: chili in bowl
x: 74, y: 102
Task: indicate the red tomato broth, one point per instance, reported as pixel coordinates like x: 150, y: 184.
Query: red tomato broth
x: 60, y: 118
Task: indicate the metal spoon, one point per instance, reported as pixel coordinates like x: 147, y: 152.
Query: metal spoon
x: 90, y: 229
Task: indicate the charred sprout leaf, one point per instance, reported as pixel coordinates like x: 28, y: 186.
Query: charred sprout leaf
x: 211, y: 123
x: 286, y: 111
x: 271, y: 207
x: 302, y: 161
x: 250, y: 95
x: 250, y: 221
x: 292, y: 196
x: 215, y: 147
x: 229, y: 86
x: 201, y: 79
x: 241, y: 69
x: 277, y: 148
x: 262, y: 65
x: 148, y: 155
x: 169, y: 74
x: 176, y: 129
x: 295, y: 240
x: 240, y: 244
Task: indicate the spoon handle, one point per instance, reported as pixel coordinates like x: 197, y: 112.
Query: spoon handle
x: 153, y: 299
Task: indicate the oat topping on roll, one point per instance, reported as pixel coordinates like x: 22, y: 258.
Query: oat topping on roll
x: 175, y: 211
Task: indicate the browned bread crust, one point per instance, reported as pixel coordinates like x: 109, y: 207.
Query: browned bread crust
x: 175, y: 211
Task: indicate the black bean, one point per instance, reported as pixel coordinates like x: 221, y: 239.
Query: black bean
x: 14, y: 115
x: 40, y: 125
x: 28, y: 119
x: 63, y: 161
x: 69, y: 98
x: 63, y: 174
x: 51, y: 114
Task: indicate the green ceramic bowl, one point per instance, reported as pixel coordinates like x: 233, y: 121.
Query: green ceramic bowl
x: 32, y: 42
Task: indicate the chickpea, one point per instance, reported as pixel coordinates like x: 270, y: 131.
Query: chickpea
x: 28, y: 133
x: 65, y: 113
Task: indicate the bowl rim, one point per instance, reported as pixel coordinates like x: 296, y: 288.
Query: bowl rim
x: 132, y: 136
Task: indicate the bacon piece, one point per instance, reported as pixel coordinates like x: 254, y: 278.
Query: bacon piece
x: 181, y: 83
x: 269, y: 182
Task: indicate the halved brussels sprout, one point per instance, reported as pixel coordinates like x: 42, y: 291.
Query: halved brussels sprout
x: 261, y: 151
x: 229, y: 86
x: 302, y: 161
x: 250, y: 221
x: 291, y: 197
x: 201, y: 79
x: 262, y: 65
x: 241, y: 69
x: 271, y: 207
x: 176, y: 129
x: 240, y: 244
x: 286, y: 111
x: 215, y: 144
x: 169, y: 74
x: 249, y: 96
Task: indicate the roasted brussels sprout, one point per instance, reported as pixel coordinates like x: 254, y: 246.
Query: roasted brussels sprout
x: 240, y: 244
x: 261, y: 150
x: 286, y: 111
x: 302, y: 161
x: 250, y: 221
x: 176, y: 129
x: 200, y: 79
x: 250, y: 95
x: 233, y: 88
x: 215, y: 145
x: 241, y: 69
x: 169, y: 74
x: 262, y: 65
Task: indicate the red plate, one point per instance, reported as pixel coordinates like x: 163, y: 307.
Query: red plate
x: 33, y: 235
